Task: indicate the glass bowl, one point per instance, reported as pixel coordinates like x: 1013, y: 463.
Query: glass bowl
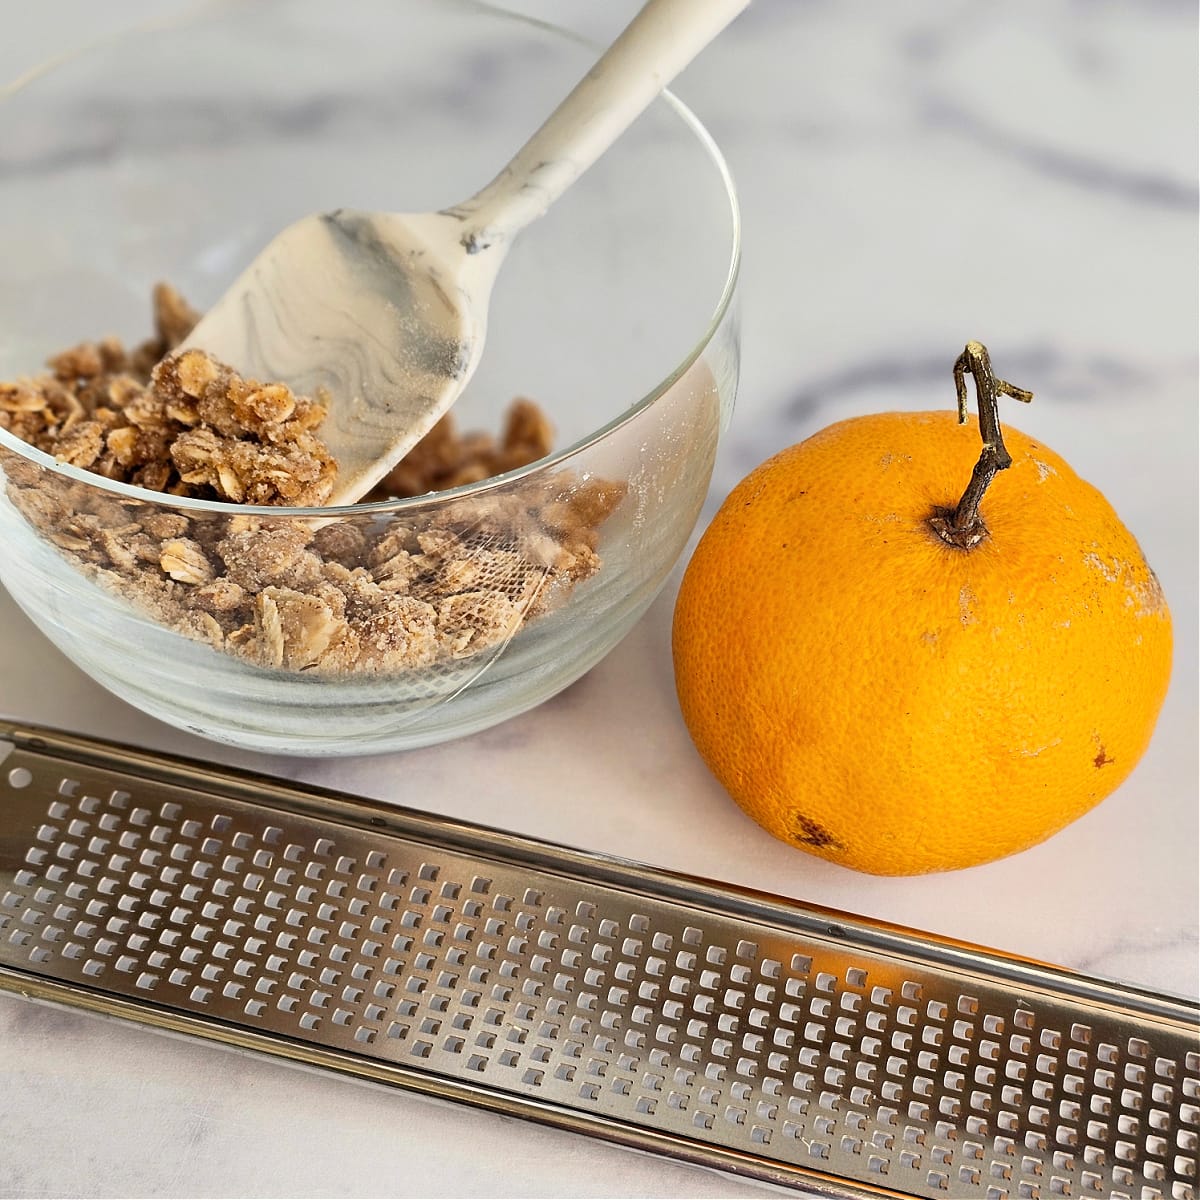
x: 175, y: 153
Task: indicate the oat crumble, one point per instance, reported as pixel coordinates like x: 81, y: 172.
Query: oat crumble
x: 351, y: 595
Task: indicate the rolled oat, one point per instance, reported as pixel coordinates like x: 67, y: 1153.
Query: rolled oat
x: 355, y: 594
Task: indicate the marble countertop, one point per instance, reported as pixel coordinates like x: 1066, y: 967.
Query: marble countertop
x: 912, y: 176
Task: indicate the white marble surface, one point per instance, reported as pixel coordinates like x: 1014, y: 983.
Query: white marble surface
x: 912, y: 175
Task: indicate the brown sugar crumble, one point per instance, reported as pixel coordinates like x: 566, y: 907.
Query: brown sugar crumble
x: 181, y: 424
x: 358, y: 594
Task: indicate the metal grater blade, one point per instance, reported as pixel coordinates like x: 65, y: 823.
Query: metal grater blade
x: 730, y: 1029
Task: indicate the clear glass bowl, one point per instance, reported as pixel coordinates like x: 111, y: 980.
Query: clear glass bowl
x: 175, y: 153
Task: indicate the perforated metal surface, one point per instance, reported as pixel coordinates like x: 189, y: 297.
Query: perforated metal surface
x: 740, y: 1031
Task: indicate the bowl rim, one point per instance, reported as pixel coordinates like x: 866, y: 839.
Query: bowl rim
x: 548, y: 463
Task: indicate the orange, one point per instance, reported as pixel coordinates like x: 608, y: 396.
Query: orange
x: 873, y: 694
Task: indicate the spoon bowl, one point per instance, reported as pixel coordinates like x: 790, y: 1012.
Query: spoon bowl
x: 368, y: 309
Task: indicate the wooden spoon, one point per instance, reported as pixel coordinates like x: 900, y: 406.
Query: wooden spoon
x: 388, y: 311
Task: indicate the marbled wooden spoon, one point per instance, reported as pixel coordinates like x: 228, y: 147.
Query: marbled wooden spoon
x: 388, y: 311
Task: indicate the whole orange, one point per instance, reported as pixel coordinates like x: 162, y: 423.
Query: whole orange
x: 875, y: 694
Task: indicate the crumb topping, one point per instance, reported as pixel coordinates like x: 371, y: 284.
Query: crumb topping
x: 349, y: 595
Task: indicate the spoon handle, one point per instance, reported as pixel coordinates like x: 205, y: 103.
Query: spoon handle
x: 656, y: 45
